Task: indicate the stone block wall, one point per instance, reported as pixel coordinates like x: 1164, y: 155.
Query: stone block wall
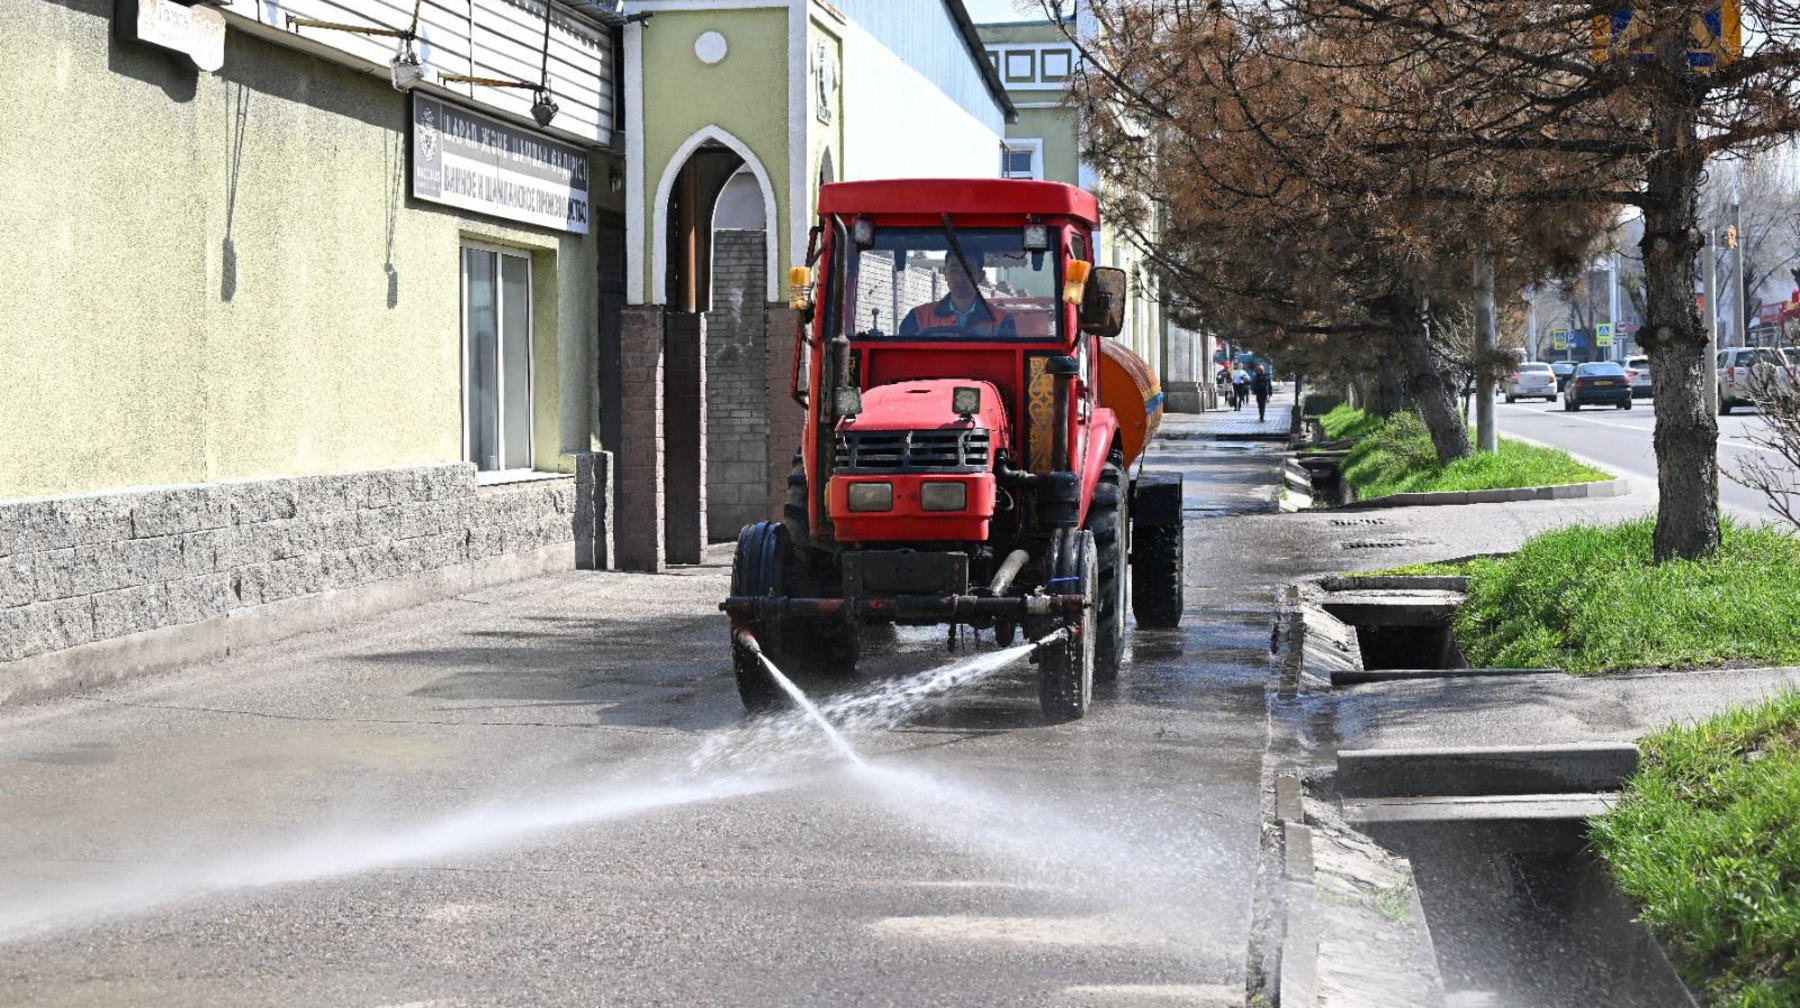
x: 639, y: 541
x: 737, y: 351
x: 79, y: 570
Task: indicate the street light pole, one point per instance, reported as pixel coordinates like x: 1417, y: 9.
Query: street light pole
x: 1712, y: 326
x: 1486, y: 439
x: 1738, y: 326
x: 1612, y: 306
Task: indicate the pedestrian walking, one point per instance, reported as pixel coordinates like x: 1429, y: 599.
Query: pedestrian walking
x: 1222, y: 381
x: 1262, y: 387
x: 1240, y: 386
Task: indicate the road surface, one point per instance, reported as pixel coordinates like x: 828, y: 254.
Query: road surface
x: 1620, y: 440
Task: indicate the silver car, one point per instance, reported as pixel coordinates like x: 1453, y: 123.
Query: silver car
x: 1637, y: 371
x: 1745, y: 372
x: 1531, y: 380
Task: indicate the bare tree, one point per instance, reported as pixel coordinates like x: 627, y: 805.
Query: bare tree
x: 1776, y: 474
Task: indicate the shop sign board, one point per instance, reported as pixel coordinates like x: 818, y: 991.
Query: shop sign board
x: 196, y: 32
x: 464, y: 159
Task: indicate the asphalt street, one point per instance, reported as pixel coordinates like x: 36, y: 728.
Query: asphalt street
x: 1621, y: 441
x: 546, y: 793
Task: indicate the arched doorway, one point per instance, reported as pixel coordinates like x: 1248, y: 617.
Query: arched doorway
x: 713, y: 269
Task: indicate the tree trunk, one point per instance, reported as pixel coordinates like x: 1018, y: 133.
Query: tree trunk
x: 1379, y: 390
x: 1431, y: 391
x: 1687, y: 434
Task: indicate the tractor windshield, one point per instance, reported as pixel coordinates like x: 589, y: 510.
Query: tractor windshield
x: 911, y: 283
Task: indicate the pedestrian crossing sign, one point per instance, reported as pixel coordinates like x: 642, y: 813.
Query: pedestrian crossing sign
x: 1603, y: 334
x: 1717, y: 36
x: 1559, y: 339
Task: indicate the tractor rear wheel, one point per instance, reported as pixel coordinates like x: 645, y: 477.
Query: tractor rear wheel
x: 1066, y: 666
x: 1108, y: 521
x: 1157, y: 558
x: 758, y: 569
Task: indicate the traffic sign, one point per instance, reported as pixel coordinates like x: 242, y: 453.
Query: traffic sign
x: 1603, y: 334
x: 1559, y: 339
x: 1718, y: 37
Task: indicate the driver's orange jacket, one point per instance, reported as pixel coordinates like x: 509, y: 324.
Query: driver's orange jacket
x: 942, y: 315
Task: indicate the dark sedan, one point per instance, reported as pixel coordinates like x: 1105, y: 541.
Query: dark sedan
x: 1563, y: 370
x: 1599, y: 383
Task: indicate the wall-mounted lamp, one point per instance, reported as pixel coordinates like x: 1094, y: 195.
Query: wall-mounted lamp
x: 545, y: 108
x: 614, y: 180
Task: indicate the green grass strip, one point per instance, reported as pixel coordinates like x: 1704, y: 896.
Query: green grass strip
x: 1399, y: 458
x: 1589, y: 599
x: 1706, y: 841
x: 1348, y: 422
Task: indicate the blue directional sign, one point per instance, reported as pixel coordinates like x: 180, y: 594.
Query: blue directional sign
x: 1718, y: 37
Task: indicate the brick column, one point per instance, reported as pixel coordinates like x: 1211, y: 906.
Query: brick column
x: 786, y: 419
x: 639, y: 539
x: 684, y: 436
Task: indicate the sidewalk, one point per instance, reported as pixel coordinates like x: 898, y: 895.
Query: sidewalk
x: 1227, y: 424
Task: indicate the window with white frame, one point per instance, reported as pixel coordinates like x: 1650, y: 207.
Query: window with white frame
x: 1022, y: 159
x: 496, y: 323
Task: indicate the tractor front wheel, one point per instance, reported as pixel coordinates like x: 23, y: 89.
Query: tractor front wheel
x: 1108, y: 521
x: 1066, y: 666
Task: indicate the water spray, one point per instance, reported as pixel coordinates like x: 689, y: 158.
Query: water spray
x: 745, y: 639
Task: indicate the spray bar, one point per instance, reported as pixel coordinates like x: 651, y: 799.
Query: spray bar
x: 937, y: 607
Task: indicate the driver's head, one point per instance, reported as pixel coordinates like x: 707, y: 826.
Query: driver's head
x: 962, y: 286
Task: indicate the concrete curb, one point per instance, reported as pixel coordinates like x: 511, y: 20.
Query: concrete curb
x: 1361, y: 677
x: 1395, y: 582
x: 1518, y: 770
x: 1566, y: 491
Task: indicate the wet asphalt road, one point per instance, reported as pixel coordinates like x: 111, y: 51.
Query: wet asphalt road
x: 1620, y: 440
x: 496, y: 800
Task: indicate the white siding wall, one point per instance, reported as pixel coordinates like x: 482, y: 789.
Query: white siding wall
x: 898, y: 124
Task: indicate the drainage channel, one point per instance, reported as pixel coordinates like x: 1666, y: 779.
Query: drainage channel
x: 1520, y: 912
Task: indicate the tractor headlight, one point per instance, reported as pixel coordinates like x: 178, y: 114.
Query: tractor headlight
x: 944, y: 496
x: 965, y: 400
x: 871, y: 497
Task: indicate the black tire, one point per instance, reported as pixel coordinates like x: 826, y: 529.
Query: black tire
x: 1725, y: 404
x: 758, y: 568
x: 1511, y: 399
x: 1066, y: 667
x: 1628, y: 404
x: 1156, y: 571
x: 1569, y: 404
x: 1108, y: 521
x: 1550, y: 398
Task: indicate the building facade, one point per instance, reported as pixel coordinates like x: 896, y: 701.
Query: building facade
x: 287, y: 343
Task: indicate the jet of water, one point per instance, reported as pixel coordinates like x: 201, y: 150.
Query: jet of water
x: 812, y: 711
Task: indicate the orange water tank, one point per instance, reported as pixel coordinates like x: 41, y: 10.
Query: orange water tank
x: 1129, y: 388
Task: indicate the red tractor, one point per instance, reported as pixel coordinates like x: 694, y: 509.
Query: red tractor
x: 970, y: 432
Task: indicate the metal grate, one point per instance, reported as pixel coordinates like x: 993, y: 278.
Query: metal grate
x: 1359, y: 521
x: 912, y: 451
x: 1393, y: 543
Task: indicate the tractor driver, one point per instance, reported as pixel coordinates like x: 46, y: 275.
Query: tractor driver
x: 961, y: 312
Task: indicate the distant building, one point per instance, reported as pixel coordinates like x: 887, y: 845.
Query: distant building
x: 1036, y: 61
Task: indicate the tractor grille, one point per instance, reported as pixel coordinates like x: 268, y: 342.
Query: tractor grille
x: 912, y: 451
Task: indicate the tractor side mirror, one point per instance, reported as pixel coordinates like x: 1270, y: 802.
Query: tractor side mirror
x: 1103, y: 304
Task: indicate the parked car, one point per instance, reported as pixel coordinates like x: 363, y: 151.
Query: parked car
x: 1637, y: 371
x: 1563, y: 370
x: 1744, y: 372
x: 1598, y: 383
x: 1531, y: 380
